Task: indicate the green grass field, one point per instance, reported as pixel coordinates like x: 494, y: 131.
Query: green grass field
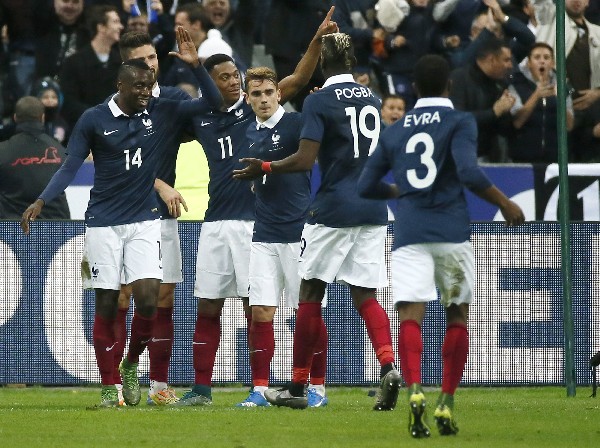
x: 487, y: 417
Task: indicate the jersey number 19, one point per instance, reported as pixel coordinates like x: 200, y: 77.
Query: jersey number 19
x: 359, y: 123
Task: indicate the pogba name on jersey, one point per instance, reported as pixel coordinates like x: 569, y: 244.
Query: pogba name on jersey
x: 353, y: 92
x: 424, y: 118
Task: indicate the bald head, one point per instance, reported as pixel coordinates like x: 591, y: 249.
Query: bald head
x: 29, y: 108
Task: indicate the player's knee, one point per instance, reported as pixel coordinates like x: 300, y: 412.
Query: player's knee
x: 106, y: 303
x: 263, y: 313
x: 166, y: 295
x: 312, y: 290
x: 124, y: 296
x: 360, y: 295
x: 210, y: 307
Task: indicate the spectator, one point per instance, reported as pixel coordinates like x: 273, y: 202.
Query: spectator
x: 357, y: 19
x: 481, y: 88
x: 237, y: 27
x: 60, y: 32
x: 582, y: 49
x: 49, y: 93
x: 88, y: 77
x: 27, y: 162
x: 534, y: 111
x: 286, y: 41
x: 393, y: 108
x: 403, y: 47
x: 16, y: 15
x: 214, y: 44
x: 192, y: 18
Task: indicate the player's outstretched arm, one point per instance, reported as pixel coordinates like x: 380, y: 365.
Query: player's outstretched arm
x: 59, y: 182
x: 291, y: 85
x: 513, y: 215
x: 301, y: 160
x: 171, y: 197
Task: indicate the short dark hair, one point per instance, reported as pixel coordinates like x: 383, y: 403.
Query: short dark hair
x: 28, y: 108
x: 431, y: 73
x: 541, y: 45
x: 260, y: 74
x: 392, y: 96
x: 337, y: 52
x: 132, y: 40
x: 97, y: 15
x: 128, y: 67
x: 493, y: 46
x: 216, y: 59
x: 196, y: 13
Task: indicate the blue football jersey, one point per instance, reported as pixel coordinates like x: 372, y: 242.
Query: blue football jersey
x: 127, y: 151
x: 345, y: 118
x: 432, y: 153
x: 223, y: 138
x: 282, y: 200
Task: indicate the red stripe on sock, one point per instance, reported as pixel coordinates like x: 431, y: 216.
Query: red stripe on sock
x: 206, y: 343
x: 454, y: 354
x: 410, y: 350
x: 104, y: 345
x: 262, y: 340
x: 318, y: 367
x: 141, y: 333
x: 120, y: 334
x: 378, y: 328
x: 161, y: 346
x: 306, y: 335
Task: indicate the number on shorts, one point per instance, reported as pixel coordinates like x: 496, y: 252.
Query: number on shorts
x: 302, y: 246
x: 159, y: 251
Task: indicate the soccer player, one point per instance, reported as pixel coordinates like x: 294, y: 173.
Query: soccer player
x: 432, y: 153
x: 125, y: 137
x: 282, y: 202
x: 344, y: 239
x: 224, y: 245
x: 136, y: 45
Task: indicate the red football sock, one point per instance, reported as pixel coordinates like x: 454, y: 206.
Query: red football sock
x: 410, y: 349
x: 454, y: 355
x: 306, y: 335
x: 162, y: 345
x: 206, y: 343
x: 104, y: 346
x: 319, y: 362
x: 262, y: 340
x: 141, y: 333
x: 378, y: 328
x: 120, y: 332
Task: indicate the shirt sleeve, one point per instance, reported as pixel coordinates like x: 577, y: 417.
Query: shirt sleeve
x: 313, y: 125
x: 82, y: 136
x: 464, y: 153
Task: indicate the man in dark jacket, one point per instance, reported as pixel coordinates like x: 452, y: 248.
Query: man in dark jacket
x: 27, y: 162
x: 481, y: 88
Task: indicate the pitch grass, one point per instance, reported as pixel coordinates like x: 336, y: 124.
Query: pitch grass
x: 487, y: 417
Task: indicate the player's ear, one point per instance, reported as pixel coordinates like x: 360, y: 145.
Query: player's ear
x: 278, y: 95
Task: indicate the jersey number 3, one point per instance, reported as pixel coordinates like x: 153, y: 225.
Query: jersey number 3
x: 422, y: 138
x: 360, y: 124
x: 135, y: 160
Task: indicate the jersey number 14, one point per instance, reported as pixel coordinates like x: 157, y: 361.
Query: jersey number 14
x: 135, y: 160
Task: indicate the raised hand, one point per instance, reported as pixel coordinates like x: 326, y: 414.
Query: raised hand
x: 187, y: 50
x: 327, y: 26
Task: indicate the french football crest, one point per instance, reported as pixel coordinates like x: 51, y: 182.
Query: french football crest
x: 239, y: 113
x: 147, y: 122
x: 275, y: 137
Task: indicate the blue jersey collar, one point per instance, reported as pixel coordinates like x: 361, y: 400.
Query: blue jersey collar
x: 237, y: 103
x: 434, y: 102
x: 272, y: 121
x: 338, y: 79
x: 116, y: 110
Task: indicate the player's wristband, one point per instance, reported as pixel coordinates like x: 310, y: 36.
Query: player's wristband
x: 266, y: 167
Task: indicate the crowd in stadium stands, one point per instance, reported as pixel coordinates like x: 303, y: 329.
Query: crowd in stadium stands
x: 70, y: 46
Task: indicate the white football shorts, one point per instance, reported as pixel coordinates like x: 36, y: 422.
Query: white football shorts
x: 171, y: 251
x: 273, y: 273
x: 348, y: 255
x: 133, y: 249
x: 418, y: 268
x: 223, y: 259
